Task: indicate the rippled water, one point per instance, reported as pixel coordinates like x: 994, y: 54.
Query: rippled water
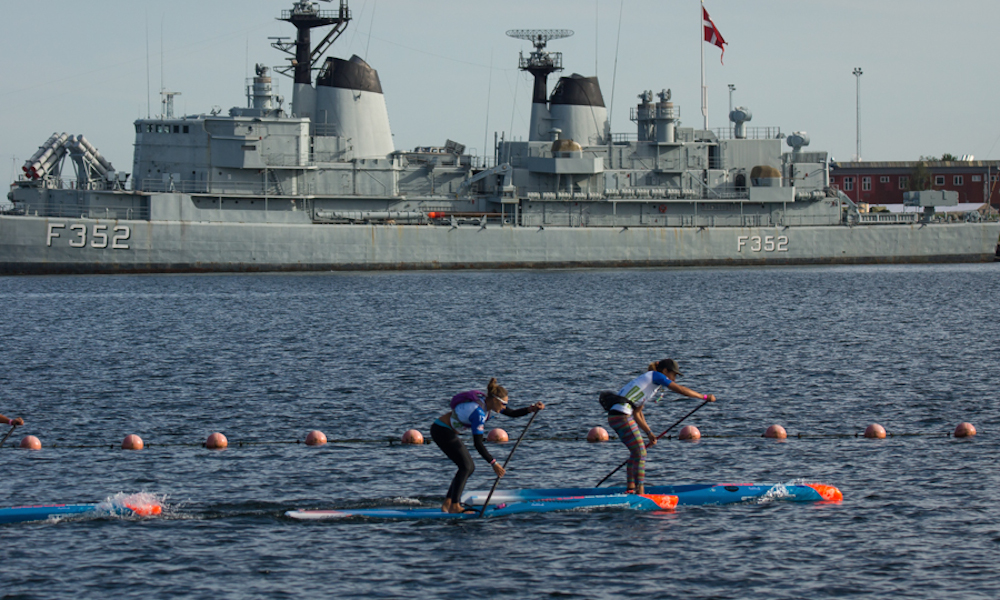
x: 363, y: 357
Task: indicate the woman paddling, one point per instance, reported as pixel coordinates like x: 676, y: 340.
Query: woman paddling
x: 626, y: 417
x: 470, y: 411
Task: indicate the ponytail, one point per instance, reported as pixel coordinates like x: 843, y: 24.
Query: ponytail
x: 494, y: 390
x: 652, y: 366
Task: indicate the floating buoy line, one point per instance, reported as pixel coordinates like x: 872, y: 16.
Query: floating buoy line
x: 412, y: 437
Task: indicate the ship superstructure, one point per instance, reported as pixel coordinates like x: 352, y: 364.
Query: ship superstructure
x: 319, y: 185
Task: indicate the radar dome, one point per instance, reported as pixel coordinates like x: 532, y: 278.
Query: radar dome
x: 566, y: 145
x: 764, y: 171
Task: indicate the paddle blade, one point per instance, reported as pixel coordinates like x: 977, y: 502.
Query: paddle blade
x: 827, y: 492
x: 663, y: 500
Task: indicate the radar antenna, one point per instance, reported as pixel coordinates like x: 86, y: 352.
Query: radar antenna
x: 540, y: 63
x: 539, y: 37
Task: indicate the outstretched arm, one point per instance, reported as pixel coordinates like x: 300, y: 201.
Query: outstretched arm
x: 680, y: 389
x: 520, y: 412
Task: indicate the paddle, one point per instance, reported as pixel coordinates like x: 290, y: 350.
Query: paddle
x: 13, y: 427
x: 657, y: 437
x: 519, y: 438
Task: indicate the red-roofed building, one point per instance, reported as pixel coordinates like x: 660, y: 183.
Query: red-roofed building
x: 881, y: 183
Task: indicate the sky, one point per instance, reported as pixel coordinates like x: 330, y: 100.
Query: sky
x: 448, y: 71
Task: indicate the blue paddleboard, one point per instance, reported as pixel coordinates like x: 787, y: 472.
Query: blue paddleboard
x: 629, y: 501
x: 687, y: 495
x: 21, y: 514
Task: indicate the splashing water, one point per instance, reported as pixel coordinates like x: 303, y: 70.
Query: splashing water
x: 142, y: 504
x: 778, y: 492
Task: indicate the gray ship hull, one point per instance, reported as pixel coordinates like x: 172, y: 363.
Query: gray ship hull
x: 40, y: 245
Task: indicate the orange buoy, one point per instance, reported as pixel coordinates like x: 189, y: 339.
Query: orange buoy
x: 315, y: 438
x: 497, y: 435
x: 216, y: 441
x: 30, y: 442
x: 965, y: 430
x: 597, y: 434
x: 689, y: 432
x: 875, y: 431
x: 132, y: 442
x: 412, y: 436
x: 776, y: 431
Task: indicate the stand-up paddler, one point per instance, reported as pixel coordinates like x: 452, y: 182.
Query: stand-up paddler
x: 625, y: 414
x: 469, y: 412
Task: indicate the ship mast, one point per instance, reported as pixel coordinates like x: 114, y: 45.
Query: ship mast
x: 307, y: 16
x: 540, y: 64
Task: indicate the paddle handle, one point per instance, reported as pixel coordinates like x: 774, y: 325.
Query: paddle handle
x: 13, y: 427
x: 657, y: 437
x: 516, y: 444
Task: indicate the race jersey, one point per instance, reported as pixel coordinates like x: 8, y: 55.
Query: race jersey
x: 640, y: 389
x: 469, y: 416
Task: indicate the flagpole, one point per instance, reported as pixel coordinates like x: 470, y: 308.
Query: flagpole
x: 701, y: 44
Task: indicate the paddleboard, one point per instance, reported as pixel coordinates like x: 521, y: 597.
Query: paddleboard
x: 687, y: 495
x: 21, y: 514
x: 647, y: 502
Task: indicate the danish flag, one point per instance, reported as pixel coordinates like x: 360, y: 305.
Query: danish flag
x: 712, y: 35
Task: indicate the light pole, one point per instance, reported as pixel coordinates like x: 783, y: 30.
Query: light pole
x: 732, y: 88
x: 857, y: 122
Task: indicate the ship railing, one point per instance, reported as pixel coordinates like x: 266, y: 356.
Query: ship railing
x: 624, y: 138
x: 288, y: 15
x: 219, y: 187
x: 887, y: 218
x: 170, y: 186
x: 752, y: 133
x: 68, y: 183
x: 82, y: 211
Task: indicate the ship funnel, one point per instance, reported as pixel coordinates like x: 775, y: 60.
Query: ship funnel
x: 666, y: 117
x: 577, y: 107
x: 350, y: 104
x: 739, y: 117
x: 797, y: 140
x: 262, y: 95
x: 645, y: 117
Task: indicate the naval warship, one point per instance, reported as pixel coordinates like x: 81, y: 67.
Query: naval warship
x: 319, y: 185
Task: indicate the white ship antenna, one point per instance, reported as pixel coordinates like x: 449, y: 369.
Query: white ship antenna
x: 162, y: 88
x: 597, y: 23
x: 371, y: 25
x: 489, y: 94
x: 149, y: 101
x: 614, y: 72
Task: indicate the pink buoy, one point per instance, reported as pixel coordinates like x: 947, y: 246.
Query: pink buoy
x: 776, y: 431
x: 30, y: 442
x: 597, y: 434
x: 875, y: 431
x: 315, y: 438
x: 216, y: 441
x: 689, y: 432
x: 498, y: 436
x: 965, y: 430
x: 412, y: 436
x: 132, y: 442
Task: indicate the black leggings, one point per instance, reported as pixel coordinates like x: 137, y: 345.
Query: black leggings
x: 449, y: 443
